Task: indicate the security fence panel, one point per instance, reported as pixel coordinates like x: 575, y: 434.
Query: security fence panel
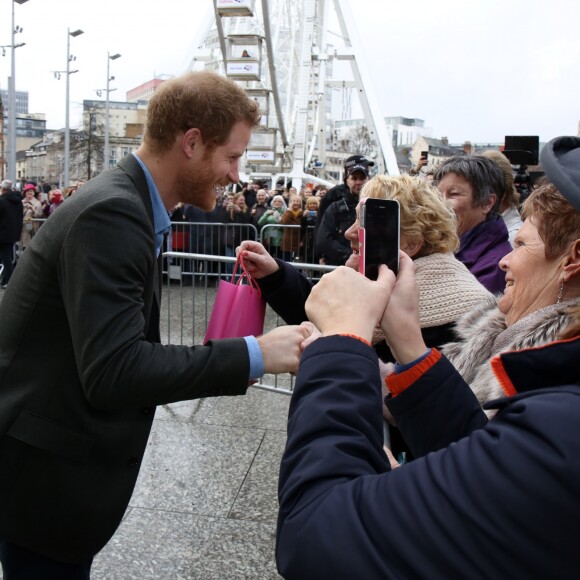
x: 190, y: 285
x: 291, y: 243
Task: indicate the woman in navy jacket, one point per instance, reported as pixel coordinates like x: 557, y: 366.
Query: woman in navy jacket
x: 482, y: 499
x: 497, y: 499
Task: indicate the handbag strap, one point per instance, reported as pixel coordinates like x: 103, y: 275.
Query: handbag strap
x: 244, y: 275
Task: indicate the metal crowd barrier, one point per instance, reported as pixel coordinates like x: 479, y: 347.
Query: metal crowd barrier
x: 190, y: 286
x: 218, y: 239
x: 287, y: 242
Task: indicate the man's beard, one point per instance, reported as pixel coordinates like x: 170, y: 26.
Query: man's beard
x: 197, y: 186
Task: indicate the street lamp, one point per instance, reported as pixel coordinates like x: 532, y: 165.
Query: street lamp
x: 12, y: 101
x: 109, y: 78
x: 69, y: 58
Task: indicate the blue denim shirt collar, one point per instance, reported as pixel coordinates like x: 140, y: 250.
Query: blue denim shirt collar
x: 161, y: 221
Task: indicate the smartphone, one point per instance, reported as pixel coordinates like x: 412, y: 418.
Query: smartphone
x: 424, y: 154
x: 379, y: 235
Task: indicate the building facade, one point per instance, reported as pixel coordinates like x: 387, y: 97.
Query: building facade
x: 21, y: 101
x: 145, y: 91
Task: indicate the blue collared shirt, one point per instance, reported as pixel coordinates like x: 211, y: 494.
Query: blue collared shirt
x: 161, y: 221
x: 162, y: 225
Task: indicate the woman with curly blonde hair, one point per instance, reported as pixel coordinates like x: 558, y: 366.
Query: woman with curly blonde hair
x: 447, y: 289
x: 426, y: 220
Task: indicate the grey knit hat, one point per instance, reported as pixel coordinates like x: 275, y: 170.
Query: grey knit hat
x: 560, y: 159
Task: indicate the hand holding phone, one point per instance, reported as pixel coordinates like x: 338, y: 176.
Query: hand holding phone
x: 379, y: 235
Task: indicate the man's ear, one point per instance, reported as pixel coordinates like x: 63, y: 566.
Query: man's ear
x: 191, y: 138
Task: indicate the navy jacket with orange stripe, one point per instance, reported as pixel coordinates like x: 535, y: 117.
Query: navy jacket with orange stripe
x: 483, y: 499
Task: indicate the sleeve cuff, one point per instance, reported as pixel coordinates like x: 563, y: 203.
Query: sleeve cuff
x: 256, y: 359
x: 357, y: 338
x: 397, y: 383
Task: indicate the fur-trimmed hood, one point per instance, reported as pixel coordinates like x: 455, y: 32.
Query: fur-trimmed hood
x: 478, y: 330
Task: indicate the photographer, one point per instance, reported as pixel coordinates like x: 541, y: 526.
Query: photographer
x: 341, y: 198
x: 339, y: 216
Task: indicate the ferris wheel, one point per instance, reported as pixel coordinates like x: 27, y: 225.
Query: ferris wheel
x: 288, y: 58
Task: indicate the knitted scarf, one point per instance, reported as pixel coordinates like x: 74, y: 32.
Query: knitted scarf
x: 447, y: 289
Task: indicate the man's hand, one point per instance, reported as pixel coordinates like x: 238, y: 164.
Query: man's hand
x: 400, y: 322
x: 345, y: 302
x: 257, y: 260
x: 281, y: 348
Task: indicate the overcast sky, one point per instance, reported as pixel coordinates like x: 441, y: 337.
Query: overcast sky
x: 475, y: 70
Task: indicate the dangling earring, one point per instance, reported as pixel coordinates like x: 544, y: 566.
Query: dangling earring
x: 560, y: 293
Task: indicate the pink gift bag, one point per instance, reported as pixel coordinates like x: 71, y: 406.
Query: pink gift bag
x: 239, y: 308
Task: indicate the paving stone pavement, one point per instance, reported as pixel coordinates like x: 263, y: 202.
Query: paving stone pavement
x: 205, y: 503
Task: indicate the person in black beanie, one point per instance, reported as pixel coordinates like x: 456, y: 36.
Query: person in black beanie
x: 560, y: 159
x: 338, y: 192
x: 334, y: 248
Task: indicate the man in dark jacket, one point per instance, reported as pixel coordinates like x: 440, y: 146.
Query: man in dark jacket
x: 251, y: 193
x: 341, y: 214
x: 338, y: 192
x: 11, y: 214
x: 85, y: 298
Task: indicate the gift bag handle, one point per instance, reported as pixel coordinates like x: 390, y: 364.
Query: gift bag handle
x: 244, y: 275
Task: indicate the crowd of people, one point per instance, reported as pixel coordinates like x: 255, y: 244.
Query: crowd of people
x: 309, y: 224
x: 248, y: 210
x: 465, y: 359
x: 294, y: 224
